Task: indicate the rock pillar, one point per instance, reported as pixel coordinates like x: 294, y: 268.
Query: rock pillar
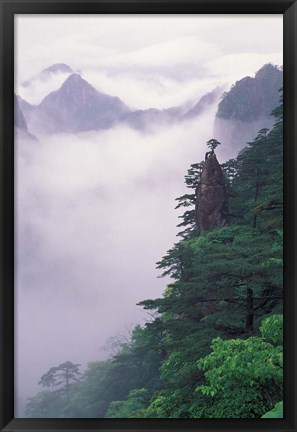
x: 211, y: 196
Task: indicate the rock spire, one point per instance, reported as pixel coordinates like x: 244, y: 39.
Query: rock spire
x: 211, y: 196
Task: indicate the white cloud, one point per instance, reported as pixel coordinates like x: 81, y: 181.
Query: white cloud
x: 151, y: 90
x: 158, y: 57
x: 233, y: 67
x: 185, y: 51
x: 95, y: 212
x: 37, y: 88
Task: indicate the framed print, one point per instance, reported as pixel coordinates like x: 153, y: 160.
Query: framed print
x: 148, y: 215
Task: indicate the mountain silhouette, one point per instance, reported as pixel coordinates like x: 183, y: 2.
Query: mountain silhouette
x: 75, y: 107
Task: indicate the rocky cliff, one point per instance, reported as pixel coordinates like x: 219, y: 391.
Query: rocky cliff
x: 211, y: 196
x: 246, y: 107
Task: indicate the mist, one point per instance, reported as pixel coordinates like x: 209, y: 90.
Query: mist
x: 95, y: 210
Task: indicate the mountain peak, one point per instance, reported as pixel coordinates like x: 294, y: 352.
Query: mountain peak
x: 77, y: 106
x: 57, y: 67
x: 75, y: 78
x: 246, y: 107
x: 251, y: 98
x: 78, y: 89
x: 267, y: 70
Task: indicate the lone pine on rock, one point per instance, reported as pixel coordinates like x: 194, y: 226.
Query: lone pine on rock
x: 211, y: 196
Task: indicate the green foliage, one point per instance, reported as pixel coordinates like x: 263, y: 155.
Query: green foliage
x: 257, y: 193
x: 61, y: 375
x: 252, y: 364
x: 92, y: 396
x: 192, y: 180
x: 225, y: 267
x: 133, y: 407
x: 272, y: 329
x: 276, y: 412
x: 167, y: 404
x: 212, y: 144
x: 230, y: 169
x: 45, y: 404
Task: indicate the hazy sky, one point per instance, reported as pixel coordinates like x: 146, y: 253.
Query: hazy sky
x: 149, y: 60
x: 95, y: 211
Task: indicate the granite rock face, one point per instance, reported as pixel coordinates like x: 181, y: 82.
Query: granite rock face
x: 211, y: 196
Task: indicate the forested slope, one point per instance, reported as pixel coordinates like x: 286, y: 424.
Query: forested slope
x: 213, y: 345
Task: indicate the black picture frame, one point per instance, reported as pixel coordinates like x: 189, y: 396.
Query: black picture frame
x: 8, y: 8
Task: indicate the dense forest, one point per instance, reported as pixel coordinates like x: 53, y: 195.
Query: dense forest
x: 212, y: 347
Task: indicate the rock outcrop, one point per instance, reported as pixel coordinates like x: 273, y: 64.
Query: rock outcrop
x: 211, y: 196
x: 246, y: 107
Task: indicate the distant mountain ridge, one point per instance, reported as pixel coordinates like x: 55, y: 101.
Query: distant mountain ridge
x: 247, y: 106
x: 249, y: 98
x: 77, y: 106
